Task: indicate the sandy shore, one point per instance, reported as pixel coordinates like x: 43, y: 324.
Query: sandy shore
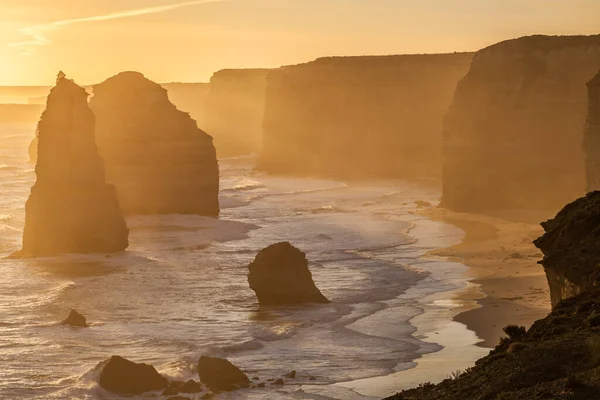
x: 503, y: 262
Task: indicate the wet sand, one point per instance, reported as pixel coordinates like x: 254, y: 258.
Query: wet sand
x: 503, y: 263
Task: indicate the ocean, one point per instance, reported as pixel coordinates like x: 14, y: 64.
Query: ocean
x: 181, y: 289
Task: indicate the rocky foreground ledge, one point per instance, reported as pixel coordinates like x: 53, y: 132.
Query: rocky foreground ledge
x: 559, y: 356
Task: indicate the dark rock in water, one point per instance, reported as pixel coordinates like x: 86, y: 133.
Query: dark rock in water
x: 591, y: 138
x: 278, y: 382
x: 279, y: 275
x: 178, y: 398
x: 125, y: 377
x: 422, y: 204
x: 312, y: 378
x: 75, y: 319
x: 71, y: 209
x: 191, y: 386
x: 256, y: 378
x: 569, y: 245
x: 156, y: 156
x: 291, y: 375
x: 220, y: 375
x: 261, y: 385
x: 173, y: 388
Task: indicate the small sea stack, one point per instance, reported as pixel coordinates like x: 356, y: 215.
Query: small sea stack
x: 71, y: 208
x: 75, y: 319
x: 121, y: 376
x: 591, y: 139
x: 279, y: 275
x: 220, y: 375
x: 156, y: 156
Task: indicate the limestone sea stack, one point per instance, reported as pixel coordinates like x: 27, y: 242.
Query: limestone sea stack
x: 156, y: 156
x: 360, y: 117
x: 513, y: 135
x: 279, y: 275
x: 234, y: 110
x: 592, y: 135
x: 71, y: 208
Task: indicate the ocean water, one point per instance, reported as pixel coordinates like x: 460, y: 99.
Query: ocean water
x: 181, y: 291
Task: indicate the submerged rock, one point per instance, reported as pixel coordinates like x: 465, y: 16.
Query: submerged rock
x: 220, y: 375
x: 591, y: 139
x: 570, y: 246
x: 71, y: 209
x: 125, y: 377
x: 512, y: 137
x: 75, y: 319
x: 156, y: 156
x: 191, y: 386
x: 279, y: 275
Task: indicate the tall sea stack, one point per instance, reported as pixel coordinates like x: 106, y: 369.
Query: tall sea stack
x: 71, y: 209
x: 592, y: 135
x: 234, y: 110
x: 156, y: 156
x: 513, y: 135
x: 360, y: 117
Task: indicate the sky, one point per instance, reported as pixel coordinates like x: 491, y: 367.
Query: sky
x: 186, y: 40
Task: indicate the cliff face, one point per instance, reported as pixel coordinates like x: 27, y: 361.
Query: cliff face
x: 591, y: 140
x: 155, y: 155
x: 513, y: 135
x: 234, y: 111
x: 71, y: 209
x: 189, y: 97
x: 359, y: 117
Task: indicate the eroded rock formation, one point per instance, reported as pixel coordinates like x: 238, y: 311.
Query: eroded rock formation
x: 279, y: 275
x: 513, y: 135
x: 75, y: 319
x: 359, y: 117
x: 591, y: 142
x: 71, y: 209
x: 220, y: 375
x: 156, y: 156
x: 121, y: 376
x: 234, y: 110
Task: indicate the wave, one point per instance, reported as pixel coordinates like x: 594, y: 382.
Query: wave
x: 245, y: 187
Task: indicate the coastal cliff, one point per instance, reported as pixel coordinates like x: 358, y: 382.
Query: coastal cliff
x: 158, y: 159
x: 557, y: 358
x: 360, y: 117
x: 513, y: 135
x: 591, y: 140
x: 71, y: 209
x: 234, y: 110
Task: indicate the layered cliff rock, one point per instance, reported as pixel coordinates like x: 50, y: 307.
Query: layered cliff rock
x: 557, y: 358
x: 591, y: 140
x: 156, y: 156
x: 189, y: 97
x: 71, y: 209
x: 360, y: 117
x: 234, y: 110
x: 513, y: 135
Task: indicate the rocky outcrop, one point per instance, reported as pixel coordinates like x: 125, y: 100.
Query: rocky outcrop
x: 570, y: 244
x: 220, y: 375
x: 513, y: 135
x: 360, y: 117
x: 124, y: 377
x: 75, y: 319
x: 158, y: 159
x: 71, y: 209
x: 234, y: 110
x: 189, y: 97
x: 591, y: 140
x: 279, y: 275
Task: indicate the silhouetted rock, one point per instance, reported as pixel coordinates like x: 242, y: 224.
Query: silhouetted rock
x: 234, y: 110
x: 75, y: 319
x: 359, y: 117
x: 290, y: 375
x: 173, y: 388
x: 279, y: 275
x: 219, y: 375
x: 125, y: 377
x: 156, y: 156
x: 512, y: 137
x: 570, y: 246
x: 71, y: 209
x: 190, y: 386
x: 591, y: 139
x: 278, y: 382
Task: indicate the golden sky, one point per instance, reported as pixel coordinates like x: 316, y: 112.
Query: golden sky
x: 186, y: 40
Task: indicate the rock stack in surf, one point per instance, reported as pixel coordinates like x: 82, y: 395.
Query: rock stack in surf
x: 279, y: 275
x: 71, y: 208
x: 156, y: 156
